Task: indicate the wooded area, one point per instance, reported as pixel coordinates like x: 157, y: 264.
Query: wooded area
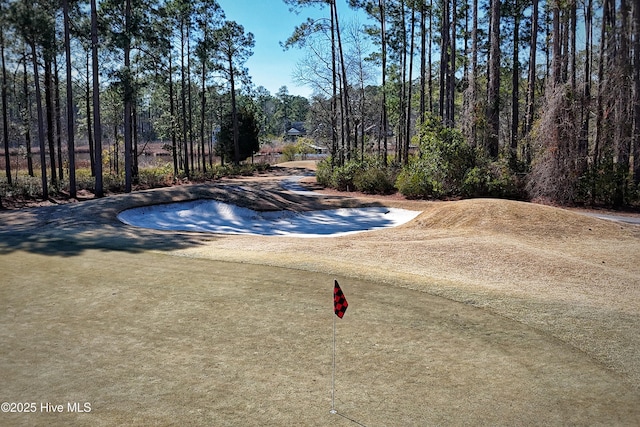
x: 546, y: 94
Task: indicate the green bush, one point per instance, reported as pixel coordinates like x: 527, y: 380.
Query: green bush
x: 289, y: 152
x: 84, y: 180
x: 112, y: 182
x: 25, y: 186
x: 440, y: 170
x: 491, y: 179
x: 344, y: 176
x: 375, y: 179
x: 368, y: 176
x: 157, y: 176
x: 414, y: 182
x: 324, y: 172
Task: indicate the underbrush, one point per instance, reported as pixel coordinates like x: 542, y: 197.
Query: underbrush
x: 28, y: 187
x: 445, y: 166
x: 369, y: 176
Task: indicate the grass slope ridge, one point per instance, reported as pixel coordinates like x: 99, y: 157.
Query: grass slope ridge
x: 507, y: 216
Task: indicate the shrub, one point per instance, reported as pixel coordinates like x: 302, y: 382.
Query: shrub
x: 157, y: 176
x: 301, y: 147
x: 343, y: 176
x: 149, y: 177
x: 289, y: 152
x: 324, y: 172
x: 84, y: 180
x: 415, y: 183
x: 26, y: 186
x: 375, y: 179
x: 491, y: 178
x: 368, y: 176
x: 440, y: 170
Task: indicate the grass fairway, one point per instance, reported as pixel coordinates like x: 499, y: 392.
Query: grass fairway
x: 151, y: 339
x: 451, y: 321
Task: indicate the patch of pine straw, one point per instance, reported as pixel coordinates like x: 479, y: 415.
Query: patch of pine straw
x: 561, y: 272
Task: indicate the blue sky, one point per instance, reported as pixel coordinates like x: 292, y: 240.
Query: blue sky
x: 271, y: 23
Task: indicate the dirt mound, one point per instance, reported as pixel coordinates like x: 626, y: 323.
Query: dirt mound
x: 512, y: 217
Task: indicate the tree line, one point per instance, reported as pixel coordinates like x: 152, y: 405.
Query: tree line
x: 549, y: 89
x: 545, y: 93
x: 114, y: 75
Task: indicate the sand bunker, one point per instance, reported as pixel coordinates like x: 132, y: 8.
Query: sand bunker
x: 217, y: 217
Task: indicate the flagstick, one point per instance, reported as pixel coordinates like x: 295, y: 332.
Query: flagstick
x: 333, y: 373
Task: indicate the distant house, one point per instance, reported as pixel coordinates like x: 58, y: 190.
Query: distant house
x: 297, y: 129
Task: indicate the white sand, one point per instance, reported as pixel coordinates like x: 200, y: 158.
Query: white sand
x: 217, y: 217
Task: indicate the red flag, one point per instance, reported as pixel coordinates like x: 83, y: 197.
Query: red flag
x: 340, y: 303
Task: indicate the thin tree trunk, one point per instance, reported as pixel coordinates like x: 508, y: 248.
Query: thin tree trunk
x: 97, y: 125
x: 27, y: 115
x: 345, y: 85
x: 128, y: 100
x: 135, y: 172
x: 572, y: 33
x: 600, y: 131
x: 465, y: 47
x: 92, y: 158
x: 473, y: 84
x: 202, y: 113
x: 48, y: 94
x: 384, y: 123
x: 583, y: 141
x: 184, y: 102
x: 564, y: 51
x: 515, y: 85
x: 405, y: 158
x: 190, y: 115
x: 58, y: 116
x: 423, y: 60
x: 493, y: 107
x: 137, y: 130
x: 636, y: 93
x: 531, y: 84
x: 557, y: 57
x: 451, y: 83
x: 5, y: 116
x: 70, y: 106
x: 444, y: 61
x: 115, y: 164
x: 429, y: 57
x: 624, y: 99
x: 234, y: 115
x: 174, y: 145
x: 402, y: 90
x: 334, y: 98
x: 41, y: 136
x: 342, y: 125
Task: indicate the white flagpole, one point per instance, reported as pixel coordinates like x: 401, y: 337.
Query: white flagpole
x: 333, y: 372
